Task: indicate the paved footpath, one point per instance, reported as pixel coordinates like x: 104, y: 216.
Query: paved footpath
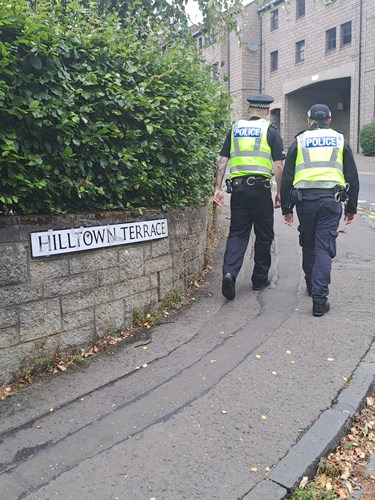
x: 230, y: 400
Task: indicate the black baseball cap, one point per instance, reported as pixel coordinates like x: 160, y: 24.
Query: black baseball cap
x: 319, y: 112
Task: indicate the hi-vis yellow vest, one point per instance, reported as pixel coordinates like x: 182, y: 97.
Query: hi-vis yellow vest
x: 250, y: 152
x: 319, y: 162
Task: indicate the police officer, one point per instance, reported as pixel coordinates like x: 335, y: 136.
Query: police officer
x: 319, y: 173
x: 255, y: 150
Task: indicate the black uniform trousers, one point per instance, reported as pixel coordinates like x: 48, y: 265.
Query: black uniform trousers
x: 319, y: 220
x: 250, y: 206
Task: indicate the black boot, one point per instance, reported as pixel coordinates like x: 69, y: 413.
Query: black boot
x: 319, y: 308
x: 228, y: 287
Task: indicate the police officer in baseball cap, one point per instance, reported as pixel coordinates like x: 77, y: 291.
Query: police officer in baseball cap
x: 319, y: 112
x: 255, y: 150
x: 319, y: 174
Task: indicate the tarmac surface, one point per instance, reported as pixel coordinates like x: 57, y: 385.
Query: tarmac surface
x: 229, y: 400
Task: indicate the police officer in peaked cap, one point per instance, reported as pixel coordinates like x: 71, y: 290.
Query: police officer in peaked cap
x: 254, y: 150
x: 319, y: 175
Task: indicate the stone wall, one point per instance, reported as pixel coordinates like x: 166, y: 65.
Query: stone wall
x: 67, y: 301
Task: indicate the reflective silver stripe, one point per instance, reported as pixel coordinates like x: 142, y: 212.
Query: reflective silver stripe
x: 335, y: 154
x: 315, y: 185
x: 319, y: 164
x: 258, y: 154
x: 257, y: 143
x: 305, y: 154
x: 251, y: 168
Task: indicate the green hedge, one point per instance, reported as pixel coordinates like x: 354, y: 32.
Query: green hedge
x: 367, y: 139
x: 102, y: 113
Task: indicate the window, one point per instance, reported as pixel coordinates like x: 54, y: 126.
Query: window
x: 200, y: 43
x: 330, y: 39
x: 207, y: 41
x: 274, y: 60
x: 300, y: 9
x: 346, y: 33
x: 274, y: 19
x: 300, y: 51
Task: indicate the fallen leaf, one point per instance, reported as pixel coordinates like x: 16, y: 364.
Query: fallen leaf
x: 288, y: 352
x: 144, y: 365
x: 264, y: 417
x: 254, y: 469
x: 62, y: 368
x: 224, y: 412
x: 303, y: 482
x: 257, y: 356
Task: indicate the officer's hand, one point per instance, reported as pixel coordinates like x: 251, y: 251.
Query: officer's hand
x: 288, y: 219
x: 219, y: 197
x: 349, y: 218
x: 277, y: 201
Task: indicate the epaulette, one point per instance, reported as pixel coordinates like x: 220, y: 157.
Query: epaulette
x: 299, y: 133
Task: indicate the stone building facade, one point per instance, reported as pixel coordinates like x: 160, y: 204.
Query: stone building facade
x: 303, y: 52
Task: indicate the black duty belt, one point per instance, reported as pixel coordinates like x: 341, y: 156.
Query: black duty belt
x: 253, y: 181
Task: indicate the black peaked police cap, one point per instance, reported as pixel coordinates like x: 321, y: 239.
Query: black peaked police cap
x: 260, y: 101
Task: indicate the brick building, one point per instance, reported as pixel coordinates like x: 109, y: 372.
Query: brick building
x: 301, y: 52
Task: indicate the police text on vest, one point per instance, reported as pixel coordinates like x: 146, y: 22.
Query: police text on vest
x: 318, y: 142
x: 247, y: 132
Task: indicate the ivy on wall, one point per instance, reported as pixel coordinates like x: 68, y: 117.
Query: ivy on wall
x: 102, y: 113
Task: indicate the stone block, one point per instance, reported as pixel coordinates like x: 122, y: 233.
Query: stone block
x: 36, y: 351
x: 19, y: 294
x: 10, y: 362
x: 49, y: 268
x: 108, y: 277
x: 13, y: 264
x: 160, y: 247
x: 131, y: 287
x: 77, y: 319
x: 70, y: 285
x: 38, y: 319
x: 158, y: 264
x: 8, y: 317
x: 93, y: 260
x: 82, y: 337
x: 131, y: 256
x: 109, y: 317
x: 84, y: 300
x: 9, y: 336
